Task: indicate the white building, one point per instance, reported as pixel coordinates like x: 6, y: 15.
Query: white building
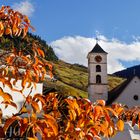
x: 18, y: 98
x: 97, y: 68
x: 127, y: 93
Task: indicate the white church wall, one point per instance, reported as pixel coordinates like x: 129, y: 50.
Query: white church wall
x: 104, y: 73
x: 18, y: 97
x: 97, y: 93
x: 127, y: 96
x: 93, y: 73
x: 97, y: 90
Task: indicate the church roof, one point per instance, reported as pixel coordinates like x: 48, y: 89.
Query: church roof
x: 97, y: 49
x: 114, y: 93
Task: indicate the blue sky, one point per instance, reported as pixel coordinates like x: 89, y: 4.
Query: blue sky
x: 64, y: 24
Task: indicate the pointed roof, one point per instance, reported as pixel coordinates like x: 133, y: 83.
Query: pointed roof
x: 116, y: 92
x: 97, y: 49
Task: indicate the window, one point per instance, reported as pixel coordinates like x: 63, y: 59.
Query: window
x: 98, y: 79
x: 98, y: 68
x: 136, y: 97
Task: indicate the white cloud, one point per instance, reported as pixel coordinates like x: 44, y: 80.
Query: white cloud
x: 75, y: 50
x: 25, y: 7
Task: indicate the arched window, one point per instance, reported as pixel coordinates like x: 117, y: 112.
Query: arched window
x: 98, y: 79
x: 98, y: 68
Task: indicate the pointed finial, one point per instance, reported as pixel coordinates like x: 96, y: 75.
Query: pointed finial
x: 97, y: 40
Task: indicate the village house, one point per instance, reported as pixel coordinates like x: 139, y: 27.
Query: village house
x: 127, y: 93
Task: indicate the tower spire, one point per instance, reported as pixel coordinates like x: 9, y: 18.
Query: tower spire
x: 97, y: 39
x: 97, y: 79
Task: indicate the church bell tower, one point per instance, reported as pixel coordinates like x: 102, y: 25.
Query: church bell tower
x: 97, y: 69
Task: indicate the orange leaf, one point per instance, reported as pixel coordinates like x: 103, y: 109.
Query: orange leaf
x: 25, y: 30
x: 110, y: 131
x: 72, y: 114
x: 8, y: 31
x: 23, y: 110
x: 40, y: 98
x: 24, y: 81
x: 119, y: 110
x: 9, y: 122
x: 6, y: 96
x: 29, y: 84
x: 52, y: 123
x: 98, y: 111
x: 33, y: 117
x: 68, y: 126
x: 112, y: 111
x: 26, y: 19
x: 15, y: 29
x: 89, y: 136
x: 55, y: 103
x: 28, y: 99
x: 0, y: 115
x: 139, y: 124
x: 6, y: 71
x: 133, y: 121
x: 107, y: 116
x: 40, y: 52
x: 30, y: 138
x: 1, y: 29
x: 120, y: 125
x: 101, y: 102
x: 9, y: 103
x: 24, y: 125
x: 19, y: 32
x: 47, y: 116
x: 35, y: 106
x: 93, y: 131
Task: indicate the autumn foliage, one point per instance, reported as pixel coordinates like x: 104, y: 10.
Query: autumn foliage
x: 50, y: 116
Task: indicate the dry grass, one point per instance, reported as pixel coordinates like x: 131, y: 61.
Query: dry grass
x: 73, y: 79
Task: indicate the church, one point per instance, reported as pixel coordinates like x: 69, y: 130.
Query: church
x: 127, y: 93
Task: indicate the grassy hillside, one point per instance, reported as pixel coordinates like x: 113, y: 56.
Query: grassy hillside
x: 114, y: 81
x: 73, y: 79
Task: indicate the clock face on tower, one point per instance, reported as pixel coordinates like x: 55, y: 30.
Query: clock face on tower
x: 98, y: 58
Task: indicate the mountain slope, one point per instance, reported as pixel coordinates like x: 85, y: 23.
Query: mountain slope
x: 72, y: 79
x: 129, y: 72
